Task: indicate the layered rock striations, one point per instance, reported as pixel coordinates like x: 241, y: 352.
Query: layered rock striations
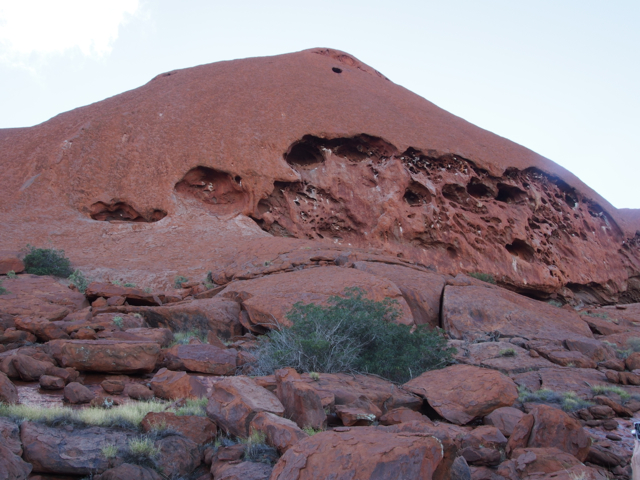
x: 181, y: 174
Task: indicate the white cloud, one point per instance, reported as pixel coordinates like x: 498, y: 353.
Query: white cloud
x: 45, y: 27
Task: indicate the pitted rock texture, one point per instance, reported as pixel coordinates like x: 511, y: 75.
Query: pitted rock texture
x: 324, y: 148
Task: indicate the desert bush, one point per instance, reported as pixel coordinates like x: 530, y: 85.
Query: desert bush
x: 79, y: 280
x: 352, y: 334
x: 568, y: 401
x: 141, y: 451
x: 118, y: 321
x: 257, y: 450
x: 11, y: 274
x: 109, y: 451
x: 507, y: 352
x: 47, y: 261
x: 194, y: 406
x: 130, y: 285
x: 607, y: 389
x: 179, y: 280
x: 485, y: 277
x: 3, y: 291
x: 183, y: 338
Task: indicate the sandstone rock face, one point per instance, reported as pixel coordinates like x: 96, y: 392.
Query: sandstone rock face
x: 130, y: 472
x: 360, y: 453
x: 268, y: 299
x: 235, y: 401
x: 10, y: 262
x: 12, y: 467
x: 176, y: 385
x: 436, y: 189
x: 60, y: 451
x: 504, y: 419
x: 244, y: 471
x: 178, y: 456
x: 461, y: 393
x: 108, y: 356
x: 301, y: 402
x: 472, y: 311
x: 10, y: 435
x: 202, y: 359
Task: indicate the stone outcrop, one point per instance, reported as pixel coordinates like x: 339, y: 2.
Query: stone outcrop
x: 108, y: 356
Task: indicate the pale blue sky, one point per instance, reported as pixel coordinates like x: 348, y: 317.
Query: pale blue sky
x: 560, y: 77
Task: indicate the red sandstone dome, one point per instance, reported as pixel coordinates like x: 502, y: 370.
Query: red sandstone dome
x: 209, y: 167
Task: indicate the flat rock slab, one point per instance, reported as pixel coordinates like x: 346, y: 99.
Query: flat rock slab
x: 108, y: 356
x: 74, y: 451
x: 578, y: 380
x: 473, y: 311
x: 360, y: 453
x: 36, y: 296
x: 421, y: 290
x: 502, y: 356
x: 202, y: 359
x: 268, y: 299
x: 461, y: 393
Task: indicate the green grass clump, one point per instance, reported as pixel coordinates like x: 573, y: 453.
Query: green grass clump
x: 11, y: 274
x: 352, y: 334
x: 141, y: 451
x: 128, y: 415
x: 79, y: 280
x: 118, y: 321
x: 311, y: 431
x: 568, y: 401
x: 607, y: 389
x: 507, y: 352
x: 47, y: 261
x: 485, y: 277
x: 178, y: 281
x: 634, y: 344
x: 257, y: 450
x: 3, y: 291
x: 596, y: 315
x: 194, y: 406
x: 130, y: 285
x: 109, y: 451
x: 183, y: 338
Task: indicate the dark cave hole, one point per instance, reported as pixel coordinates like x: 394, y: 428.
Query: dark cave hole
x: 521, y: 249
x: 212, y: 186
x: 417, y: 194
x: 510, y: 194
x: 304, y: 154
x: 337, y: 70
x: 477, y: 189
x: 454, y: 192
x: 122, y: 211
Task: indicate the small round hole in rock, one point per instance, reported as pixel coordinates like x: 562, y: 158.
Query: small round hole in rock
x: 337, y: 70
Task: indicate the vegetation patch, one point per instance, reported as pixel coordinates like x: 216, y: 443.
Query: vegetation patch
x: 47, y: 261
x: 179, y: 280
x: 568, y: 401
x: 11, y: 274
x: 3, y: 291
x: 352, y: 334
x: 610, y: 389
x: 141, y: 451
x: 485, y: 277
x: 257, y: 450
x: 183, y: 338
x: 127, y: 416
x: 507, y: 352
x: 79, y: 280
x: 194, y: 406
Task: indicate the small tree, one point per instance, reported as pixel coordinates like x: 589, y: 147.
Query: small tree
x: 352, y: 333
x: 47, y: 261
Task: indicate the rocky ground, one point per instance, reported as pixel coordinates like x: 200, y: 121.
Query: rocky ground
x: 536, y: 390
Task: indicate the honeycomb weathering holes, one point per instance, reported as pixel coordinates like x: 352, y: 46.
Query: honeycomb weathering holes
x: 220, y: 191
x: 521, y: 249
x: 122, y: 211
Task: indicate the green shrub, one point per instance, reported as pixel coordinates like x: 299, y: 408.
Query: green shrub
x: 130, y: 285
x: 118, y: 321
x: 183, y: 338
x: 607, y: 389
x: 11, y: 274
x: 257, y: 450
x: 179, y: 280
x: 109, y: 451
x: 507, y: 352
x: 47, y: 261
x: 485, y: 277
x: 79, y: 280
x: 568, y: 401
x: 3, y: 291
x: 141, y: 451
x: 352, y: 334
x: 634, y: 344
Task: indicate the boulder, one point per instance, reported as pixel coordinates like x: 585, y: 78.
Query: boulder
x: 14, y: 337
x: 217, y: 315
x: 462, y: 393
x: 502, y: 356
x: 49, y: 382
x: 43, y: 329
x: 10, y: 262
x: 179, y: 456
x: 280, y: 433
x: 556, y: 379
x: 243, y: 471
x: 504, y: 419
x: 235, y: 401
x: 360, y: 453
x: 594, y: 349
x: 28, y: 368
x: 75, y: 393
x: 632, y: 362
x: 199, y: 430
x: 12, y: 467
x: 8, y: 391
x: 10, y: 435
x: 138, y: 391
x: 161, y: 336
x: 68, y: 451
x: 566, y: 358
x: 546, y: 426
x: 402, y: 415
x: 421, y: 290
x: 483, y: 446
x: 114, y: 385
x: 540, y: 461
x: 129, y: 472
x: 107, y: 356
x: 301, y: 402
x: 475, y: 311
x: 36, y: 296
x: 268, y: 299
x: 202, y: 359
x: 176, y: 385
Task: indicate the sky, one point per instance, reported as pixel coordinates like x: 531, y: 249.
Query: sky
x: 560, y: 77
